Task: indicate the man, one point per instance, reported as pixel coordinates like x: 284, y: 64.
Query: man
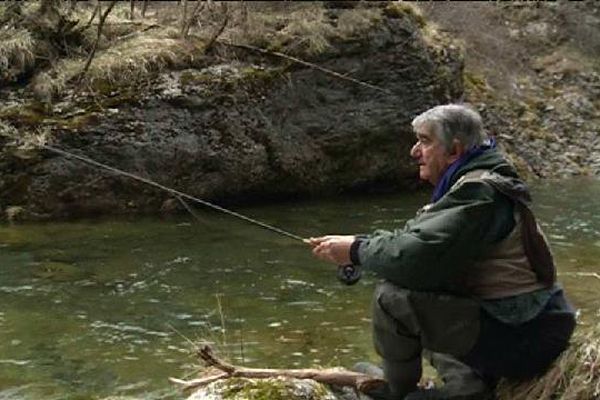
x: 470, y: 282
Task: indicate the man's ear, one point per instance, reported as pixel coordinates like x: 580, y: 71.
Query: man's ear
x: 456, y: 150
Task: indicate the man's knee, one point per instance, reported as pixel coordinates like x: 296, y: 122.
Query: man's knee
x: 413, y: 320
x: 396, y: 333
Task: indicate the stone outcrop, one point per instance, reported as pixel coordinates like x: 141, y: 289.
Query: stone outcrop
x: 238, y: 126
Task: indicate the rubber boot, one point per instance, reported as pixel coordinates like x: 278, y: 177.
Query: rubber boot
x: 368, y: 368
x: 460, y: 382
x: 401, y: 377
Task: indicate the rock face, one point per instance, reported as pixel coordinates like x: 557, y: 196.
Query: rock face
x: 241, y: 126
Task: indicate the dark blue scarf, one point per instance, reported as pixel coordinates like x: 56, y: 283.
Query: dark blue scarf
x: 444, y: 183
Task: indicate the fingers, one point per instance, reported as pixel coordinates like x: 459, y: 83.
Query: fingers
x: 335, y: 249
x: 315, y: 241
x: 323, y: 250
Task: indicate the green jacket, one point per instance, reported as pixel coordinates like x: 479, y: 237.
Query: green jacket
x: 433, y: 250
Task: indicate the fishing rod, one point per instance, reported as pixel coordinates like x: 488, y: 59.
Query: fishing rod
x: 348, y: 274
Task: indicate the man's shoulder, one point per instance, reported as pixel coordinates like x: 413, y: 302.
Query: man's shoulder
x: 511, y: 187
x: 475, y: 184
x: 480, y: 175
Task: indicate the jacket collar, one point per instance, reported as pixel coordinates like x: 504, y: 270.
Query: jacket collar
x: 448, y: 178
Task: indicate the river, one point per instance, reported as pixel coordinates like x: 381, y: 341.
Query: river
x: 95, y: 308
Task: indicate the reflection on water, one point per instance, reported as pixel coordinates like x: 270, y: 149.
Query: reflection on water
x: 97, y: 308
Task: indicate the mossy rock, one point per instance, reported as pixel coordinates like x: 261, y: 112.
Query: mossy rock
x: 264, y: 389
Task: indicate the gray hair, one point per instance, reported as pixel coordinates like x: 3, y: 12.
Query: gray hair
x: 453, y: 121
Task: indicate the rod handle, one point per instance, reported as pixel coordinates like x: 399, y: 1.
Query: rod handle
x: 349, y: 274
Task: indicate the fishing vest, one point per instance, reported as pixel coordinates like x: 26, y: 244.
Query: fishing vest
x: 519, y: 263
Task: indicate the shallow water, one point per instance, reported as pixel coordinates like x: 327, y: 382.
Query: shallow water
x: 97, y: 308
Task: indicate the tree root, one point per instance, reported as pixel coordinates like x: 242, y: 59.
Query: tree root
x: 330, y: 376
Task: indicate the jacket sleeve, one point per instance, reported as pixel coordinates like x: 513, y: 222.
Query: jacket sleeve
x: 432, y: 250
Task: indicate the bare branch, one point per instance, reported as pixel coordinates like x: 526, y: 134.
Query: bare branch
x: 131, y: 9
x: 339, y: 377
x: 93, y: 52
x: 187, y: 25
x: 89, y: 23
x: 219, y: 31
x: 184, y: 16
x: 144, y: 8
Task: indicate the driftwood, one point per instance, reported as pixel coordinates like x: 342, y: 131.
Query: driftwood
x: 223, y: 370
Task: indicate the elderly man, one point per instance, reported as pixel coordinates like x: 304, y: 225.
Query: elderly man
x: 470, y: 282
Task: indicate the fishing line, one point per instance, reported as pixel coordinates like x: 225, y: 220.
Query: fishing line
x: 178, y: 194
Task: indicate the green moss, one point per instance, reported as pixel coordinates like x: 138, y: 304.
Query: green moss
x: 264, y: 75
x: 103, y: 87
x: 267, y: 389
x: 253, y: 79
x: 261, y: 389
x: 192, y: 77
x: 31, y: 114
x: 474, y: 81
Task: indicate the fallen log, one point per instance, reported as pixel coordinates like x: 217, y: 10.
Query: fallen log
x: 331, y: 376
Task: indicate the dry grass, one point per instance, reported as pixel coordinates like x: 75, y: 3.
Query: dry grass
x: 302, y: 29
x: 127, y: 62
x: 574, y: 376
x: 16, y: 52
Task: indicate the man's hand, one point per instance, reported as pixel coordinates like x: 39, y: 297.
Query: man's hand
x: 332, y: 248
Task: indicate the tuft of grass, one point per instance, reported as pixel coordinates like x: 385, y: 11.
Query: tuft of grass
x: 574, y: 376
x: 127, y: 62
x: 307, y: 32
x: 16, y: 53
x: 130, y: 52
x: 301, y: 31
x: 306, y: 29
x: 399, y: 9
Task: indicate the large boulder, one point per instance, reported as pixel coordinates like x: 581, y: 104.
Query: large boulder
x: 241, y: 125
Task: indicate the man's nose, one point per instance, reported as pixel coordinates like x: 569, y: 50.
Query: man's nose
x: 415, y: 152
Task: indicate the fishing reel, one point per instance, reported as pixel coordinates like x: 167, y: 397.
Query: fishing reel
x: 349, y: 274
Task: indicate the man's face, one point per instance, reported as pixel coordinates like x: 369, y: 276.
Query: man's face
x: 431, y: 155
